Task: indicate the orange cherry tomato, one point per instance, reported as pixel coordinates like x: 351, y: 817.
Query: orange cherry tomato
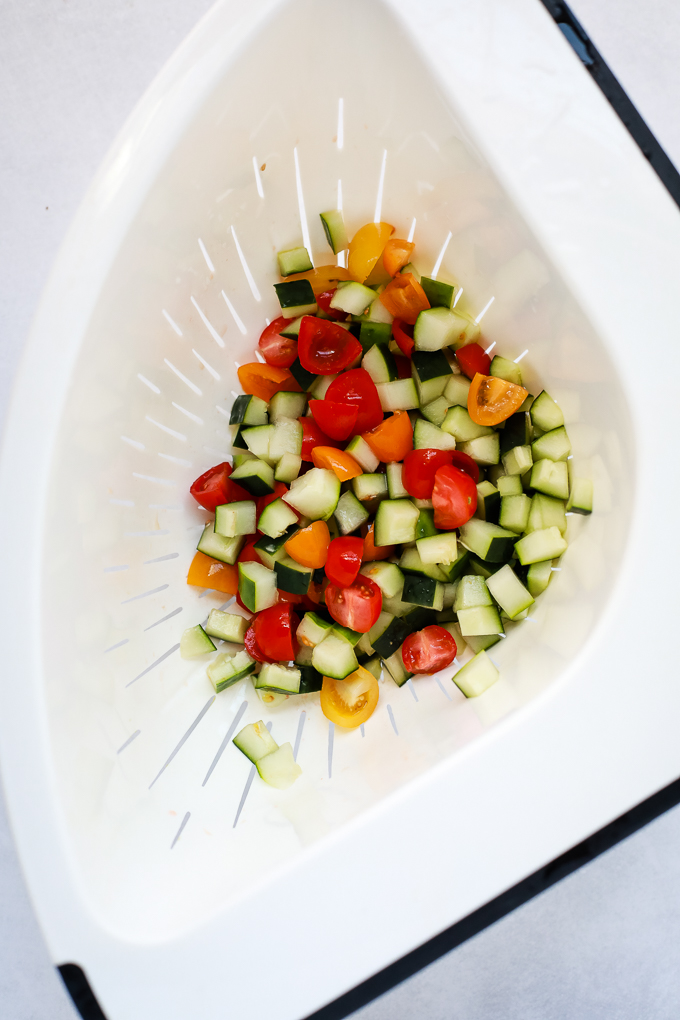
x: 339, y: 461
x: 492, y: 400
x: 205, y: 572
x: 350, y: 702
x: 310, y: 545
x: 396, y: 254
x: 365, y: 249
x: 392, y: 439
x: 404, y: 298
x: 322, y: 278
x: 264, y: 381
x: 374, y: 552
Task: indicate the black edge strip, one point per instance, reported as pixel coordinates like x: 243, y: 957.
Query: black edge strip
x: 603, y: 76
x: 79, y: 989
x: 504, y: 904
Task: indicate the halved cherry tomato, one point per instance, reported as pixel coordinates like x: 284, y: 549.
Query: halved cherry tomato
x: 309, y: 546
x: 325, y: 348
x: 392, y: 439
x: 404, y: 298
x: 335, y: 419
x: 366, y: 247
x: 419, y: 470
x: 344, y: 560
x: 357, y: 605
x: 214, y: 487
x: 454, y: 497
x: 275, y: 632
x: 465, y: 463
x: 252, y: 646
x: 249, y: 554
x: 276, y: 349
x: 357, y: 387
x: 350, y: 702
x: 372, y: 551
x: 280, y: 489
x: 472, y: 359
x: 492, y: 400
x: 428, y: 650
x: 403, y: 366
x: 264, y: 381
x: 312, y: 436
x: 324, y: 299
x: 205, y: 572
x: 403, y: 336
x: 342, y: 463
x: 396, y: 254
x: 322, y: 278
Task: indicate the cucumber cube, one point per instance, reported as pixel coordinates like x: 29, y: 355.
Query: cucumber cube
x: 501, y: 368
x: 476, y: 676
x: 395, y: 522
x: 460, y: 425
x: 257, y: 586
x: 233, y: 519
x: 255, y: 741
x: 294, y: 260
x: 195, y: 642
x: 279, y: 769
x: 509, y: 592
x: 228, y: 669
x: 352, y: 297
x: 540, y: 545
x: 551, y: 477
x: 315, y: 494
x: 518, y: 460
x: 275, y: 677
x: 226, y: 626
x: 440, y: 295
x: 581, y: 496
x: 334, y: 228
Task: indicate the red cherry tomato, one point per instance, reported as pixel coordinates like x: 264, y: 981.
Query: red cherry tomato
x: 472, y: 359
x: 419, y: 469
x: 466, y: 463
x: 252, y: 646
x: 275, y: 632
x: 403, y: 366
x: 428, y: 650
x: 248, y: 554
x: 454, y: 497
x: 313, y: 436
x: 403, y: 336
x: 344, y: 560
x: 335, y: 419
x: 214, y: 487
x: 324, y: 302
x: 356, y: 606
x: 326, y: 348
x: 357, y: 387
x: 277, y: 350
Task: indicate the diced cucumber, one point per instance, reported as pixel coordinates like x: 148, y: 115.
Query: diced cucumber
x: 287, y: 404
x: 550, y: 477
x: 394, y: 664
x: 248, y: 410
x: 272, y: 549
x: 271, y: 698
x: 481, y: 568
x: 255, y: 476
x: 391, y: 631
x: 428, y: 436
x: 540, y: 545
x: 257, y: 440
x: 292, y: 576
x: 315, y: 494
x: 312, y: 630
x: 220, y: 548
x: 455, y: 570
x: 334, y: 657
x: 288, y: 468
x: 226, y: 669
x: 581, y: 496
x: 226, y: 626
x: 352, y: 297
x: 286, y: 437
x: 386, y: 575
x: 349, y: 513
x: 257, y: 586
x: 395, y: 486
x: 514, y: 514
x: 441, y: 548
x: 479, y: 620
x: 488, y: 502
x: 279, y: 769
x: 440, y: 295
x: 488, y: 541
x: 378, y: 313
x: 425, y: 527
x: 301, y: 375
x: 364, y: 647
x: 450, y: 595
x: 460, y: 425
x: 351, y: 636
x: 399, y: 395
x: 457, y: 389
x: 438, y: 327
x: 431, y: 372
x: 471, y: 592
x: 410, y: 268
x: 553, y: 445
x: 233, y: 519
x: 436, y: 410
x: 476, y: 676
x: 334, y: 229
x: 320, y: 386
x: 509, y: 485
x: 292, y: 328
x: 478, y: 644
x: 367, y: 487
x: 412, y: 563
x: 372, y: 333
x: 395, y: 522
x: 276, y: 518
x: 310, y: 679
x: 518, y: 431
x: 423, y: 591
x: 538, y: 577
x: 546, y: 512
x: 363, y: 454
x: 518, y: 460
x: 380, y: 364
x: 509, y: 592
x: 374, y: 666
x: 195, y: 642
x: 255, y: 741
x: 296, y: 298
x: 294, y: 260
x: 501, y: 368
x: 545, y: 413
x: 242, y: 457
x: 424, y: 504
x: 483, y: 450
x: 275, y: 677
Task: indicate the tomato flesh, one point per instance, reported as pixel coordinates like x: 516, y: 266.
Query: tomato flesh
x: 403, y: 336
x: 419, y: 470
x: 335, y: 419
x: 326, y: 348
x: 248, y: 554
x: 275, y: 632
x: 356, y: 606
x: 454, y: 497
x: 344, y: 560
x: 350, y: 702
x: 277, y: 350
x: 312, y: 436
x: 356, y: 387
x: 214, y: 487
x: 428, y: 650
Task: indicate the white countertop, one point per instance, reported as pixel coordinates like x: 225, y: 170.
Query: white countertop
x: 600, y: 944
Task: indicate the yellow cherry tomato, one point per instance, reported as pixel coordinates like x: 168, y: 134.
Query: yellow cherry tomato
x: 350, y: 702
x: 366, y: 247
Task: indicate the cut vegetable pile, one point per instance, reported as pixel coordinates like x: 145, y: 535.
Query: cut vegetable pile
x: 395, y: 494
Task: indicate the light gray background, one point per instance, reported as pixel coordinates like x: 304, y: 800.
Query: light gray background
x: 601, y: 945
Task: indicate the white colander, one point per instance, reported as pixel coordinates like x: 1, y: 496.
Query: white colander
x: 181, y: 886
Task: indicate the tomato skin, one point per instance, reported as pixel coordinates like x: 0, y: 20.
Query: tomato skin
x: 275, y: 632
x: 266, y: 380
x: 214, y: 487
x: 313, y: 436
x: 357, y: 387
x: 277, y: 350
x: 340, y: 462
x: 404, y: 298
x: 324, y: 299
x: 350, y: 702
x: 248, y: 554
x: 473, y: 359
x: 428, y: 650
x: 335, y: 419
x: 419, y: 470
x: 392, y: 439
x: 396, y: 254
x: 492, y: 400
x: 403, y: 336
x: 357, y: 605
x: 344, y: 560
x: 252, y: 647
x: 454, y: 497
x: 326, y: 348
x: 466, y: 463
